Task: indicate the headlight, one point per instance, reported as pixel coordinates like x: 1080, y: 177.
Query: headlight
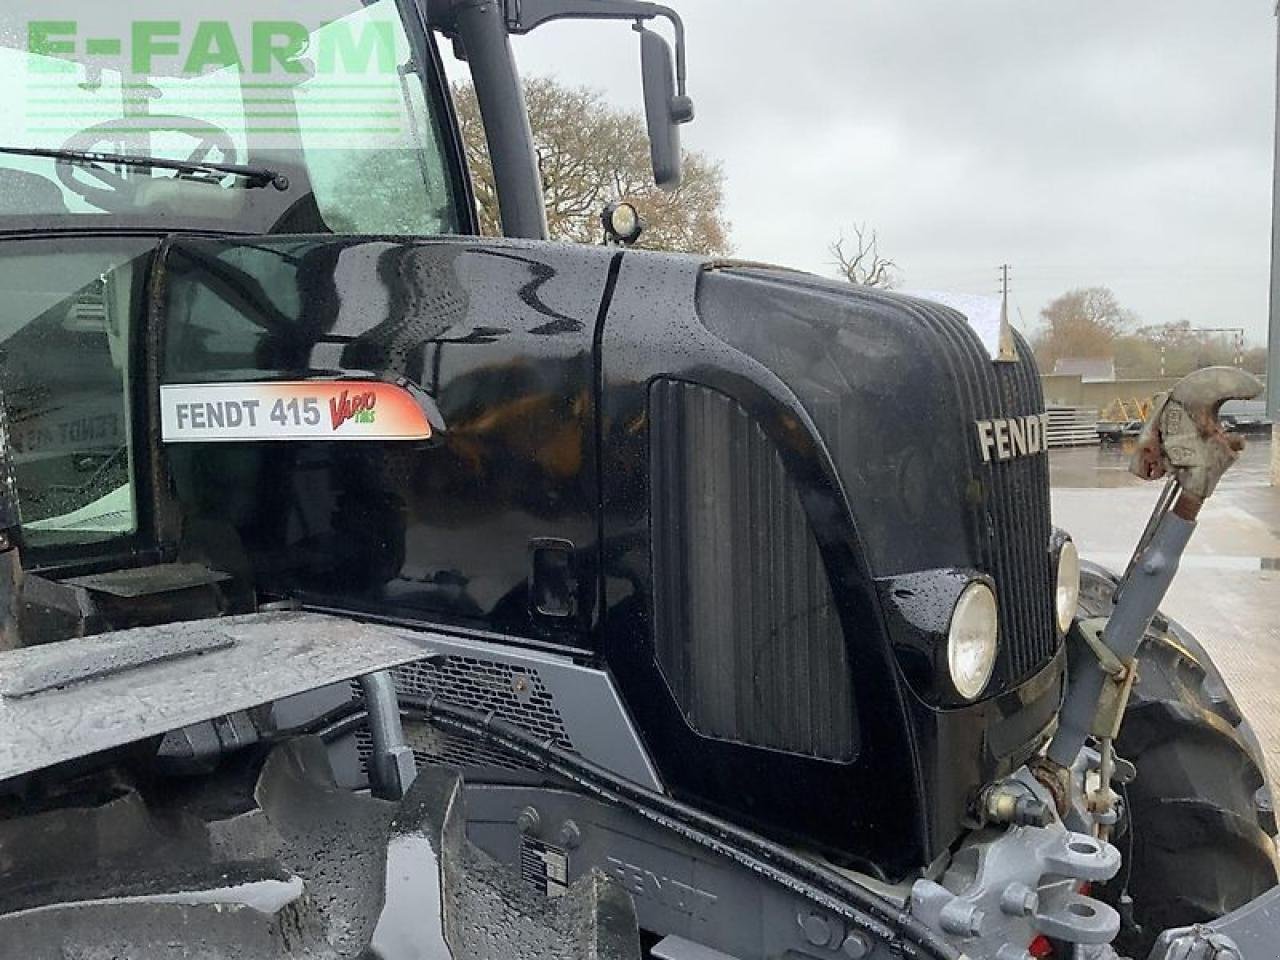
x: 971, y: 640
x: 1068, y: 591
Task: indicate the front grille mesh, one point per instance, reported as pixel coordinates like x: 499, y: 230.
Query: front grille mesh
x: 436, y: 748
x: 515, y: 694
x: 512, y: 693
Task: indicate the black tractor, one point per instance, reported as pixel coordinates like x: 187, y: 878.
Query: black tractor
x: 375, y: 589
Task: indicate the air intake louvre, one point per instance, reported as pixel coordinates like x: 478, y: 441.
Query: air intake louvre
x: 511, y: 692
x: 745, y: 627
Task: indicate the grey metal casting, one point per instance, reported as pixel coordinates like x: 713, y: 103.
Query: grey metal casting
x: 1003, y: 890
x: 709, y: 906
x: 250, y: 660
x: 582, y: 699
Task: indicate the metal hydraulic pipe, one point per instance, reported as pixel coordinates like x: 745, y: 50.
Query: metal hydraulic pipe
x: 392, y: 768
x: 1139, y: 599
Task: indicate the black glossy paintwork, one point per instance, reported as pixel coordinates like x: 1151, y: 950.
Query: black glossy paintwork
x: 498, y: 335
x: 535, y: 361
x: 899, y: 803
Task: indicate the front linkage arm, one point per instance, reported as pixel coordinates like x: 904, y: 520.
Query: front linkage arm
x: 1183, y: 440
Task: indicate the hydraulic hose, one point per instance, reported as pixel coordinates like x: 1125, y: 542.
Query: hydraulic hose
x: 857, y: 905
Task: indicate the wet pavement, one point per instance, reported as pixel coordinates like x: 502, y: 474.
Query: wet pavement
x: 1227, y: 591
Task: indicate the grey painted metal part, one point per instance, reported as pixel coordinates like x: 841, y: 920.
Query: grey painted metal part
x: 1004, y: 890
x: 1249, y: 933
x: 250, y: 661
x: 312, y: 871
x: 1139, y: 599
x: 392, y: 769
x: 144, y: 581
x: 115, y: 655
x: 678, y: 948
x: 706, y: 905
x: 482, y: 26
x: 582, y: 700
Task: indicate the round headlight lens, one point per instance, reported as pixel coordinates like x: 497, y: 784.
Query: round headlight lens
x: 971, y: 640
x: 1068, y: 591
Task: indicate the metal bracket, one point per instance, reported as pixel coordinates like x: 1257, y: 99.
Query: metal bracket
x: 1120, y: 678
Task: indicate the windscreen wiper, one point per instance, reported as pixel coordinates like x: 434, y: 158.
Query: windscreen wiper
x: 253, y: 176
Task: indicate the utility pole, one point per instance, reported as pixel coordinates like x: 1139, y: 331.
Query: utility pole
x: 1008, y: 352
x: 1273, y: 342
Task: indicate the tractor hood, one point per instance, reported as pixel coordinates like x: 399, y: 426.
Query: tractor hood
x: 939, y: 446
x: 900, y: 388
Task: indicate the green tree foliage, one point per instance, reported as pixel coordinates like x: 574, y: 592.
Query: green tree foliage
x: 592, y: 153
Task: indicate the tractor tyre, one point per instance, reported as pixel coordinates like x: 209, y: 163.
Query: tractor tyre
x: 1198, y: 834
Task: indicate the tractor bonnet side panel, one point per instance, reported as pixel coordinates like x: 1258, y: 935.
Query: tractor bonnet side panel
x: 489, y: 522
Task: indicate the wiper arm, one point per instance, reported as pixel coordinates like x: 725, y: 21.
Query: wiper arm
x: 253, y: 176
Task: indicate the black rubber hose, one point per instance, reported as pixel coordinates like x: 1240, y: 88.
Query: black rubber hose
x: 865, y: 909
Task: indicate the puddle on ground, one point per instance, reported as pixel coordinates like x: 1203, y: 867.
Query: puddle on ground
x: 1106, y: 465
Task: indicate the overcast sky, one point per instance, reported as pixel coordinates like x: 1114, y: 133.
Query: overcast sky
x: 1124, y: 143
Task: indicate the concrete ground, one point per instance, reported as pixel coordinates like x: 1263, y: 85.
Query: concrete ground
x: 1227, y: 591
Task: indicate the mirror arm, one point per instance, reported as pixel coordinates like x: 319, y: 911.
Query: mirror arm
x: 524, y: 16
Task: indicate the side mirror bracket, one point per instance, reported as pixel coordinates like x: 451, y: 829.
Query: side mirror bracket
x: 666, y: 97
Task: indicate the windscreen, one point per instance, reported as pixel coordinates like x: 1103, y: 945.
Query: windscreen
x: 332, y: 108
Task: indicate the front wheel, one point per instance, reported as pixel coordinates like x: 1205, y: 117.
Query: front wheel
x: 1198, y: 837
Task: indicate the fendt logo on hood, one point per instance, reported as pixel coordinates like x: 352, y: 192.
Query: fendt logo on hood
x: 1005, y: 438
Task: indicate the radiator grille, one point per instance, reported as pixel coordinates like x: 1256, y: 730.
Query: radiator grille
x: 1013, y: 521
x: 745, y: 626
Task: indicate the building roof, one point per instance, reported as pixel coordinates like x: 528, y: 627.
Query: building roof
x: 1089, y: 369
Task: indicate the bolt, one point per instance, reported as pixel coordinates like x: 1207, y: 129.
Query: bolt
x: 570, y: 835
x: 528, y: 821
x: 961, y: 919
x: 1019, y: 900
x: 816, y: 929
x: 856, y: 946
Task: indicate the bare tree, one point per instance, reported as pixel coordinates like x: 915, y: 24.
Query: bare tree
x: 860, y: 262
x: 1081, y: 323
